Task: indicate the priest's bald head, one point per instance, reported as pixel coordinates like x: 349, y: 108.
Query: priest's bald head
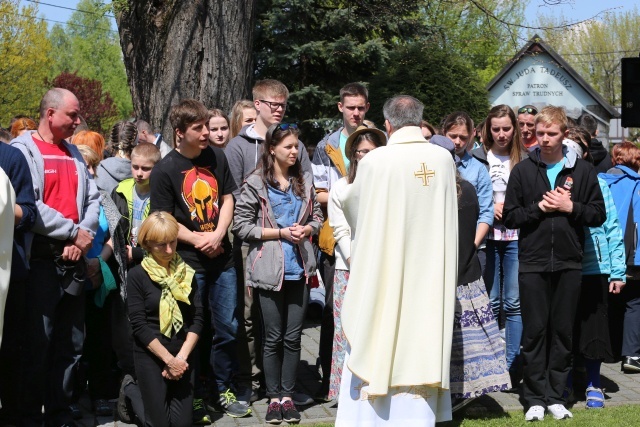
x: 401, y: 111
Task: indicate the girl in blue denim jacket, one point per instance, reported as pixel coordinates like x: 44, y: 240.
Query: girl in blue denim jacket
x: 276, y: 213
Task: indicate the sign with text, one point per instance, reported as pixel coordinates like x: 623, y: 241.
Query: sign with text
x: 538, y: 80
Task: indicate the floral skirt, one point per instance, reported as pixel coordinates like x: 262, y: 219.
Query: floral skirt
x: 478, y: 360
x: 340, y: 280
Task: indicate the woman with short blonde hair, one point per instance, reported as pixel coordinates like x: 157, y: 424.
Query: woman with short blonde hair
x: 166, y: 317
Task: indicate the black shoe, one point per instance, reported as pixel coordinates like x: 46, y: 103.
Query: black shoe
x: 76, y: 412
x: 630, y: 364
x: 289, y: 412
x: 123, y: 407
x: 200, y: 415
x: 102, y: 408
x: 274, y: 413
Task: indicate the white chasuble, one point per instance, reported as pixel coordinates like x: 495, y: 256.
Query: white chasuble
x: 398, y: 309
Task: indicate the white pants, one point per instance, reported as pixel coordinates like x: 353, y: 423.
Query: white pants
x: 417, y: 406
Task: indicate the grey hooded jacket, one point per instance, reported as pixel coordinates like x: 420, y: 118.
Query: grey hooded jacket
x: 265, y: 261
x: 50, y: 222
x: 243, y: 154
x: 111, y: 171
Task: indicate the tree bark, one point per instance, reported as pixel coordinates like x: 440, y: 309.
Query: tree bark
x: 178, y: 49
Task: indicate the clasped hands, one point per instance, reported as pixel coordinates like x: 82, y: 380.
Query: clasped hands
x: 175, y: 368
x: 294, y: 234
x: 556, y: 200
x: 209, y: 242
x: 78, y: 247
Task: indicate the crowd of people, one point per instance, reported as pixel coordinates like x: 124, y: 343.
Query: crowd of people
x: 174, y: 272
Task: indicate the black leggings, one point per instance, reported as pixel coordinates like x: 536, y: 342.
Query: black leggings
x: 282, y: 316
x: 166, y: 402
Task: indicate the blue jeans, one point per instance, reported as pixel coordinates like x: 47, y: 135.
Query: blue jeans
x: 220, y: 289
x: 501, y: 273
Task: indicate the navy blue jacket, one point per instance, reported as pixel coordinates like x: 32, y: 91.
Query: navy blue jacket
x: 14, y: 164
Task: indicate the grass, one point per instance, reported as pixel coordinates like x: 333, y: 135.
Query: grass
x: 627, y: 415
x: 610, y: 416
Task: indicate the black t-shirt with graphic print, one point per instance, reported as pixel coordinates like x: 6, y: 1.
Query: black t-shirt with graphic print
x: 191, y: 190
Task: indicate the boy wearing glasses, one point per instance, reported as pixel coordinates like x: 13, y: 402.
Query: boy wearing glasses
x: 270, y: 99
x: 194, y: 184
x: 526, y: 117
x: 243, y: 151
x: 330, y: 163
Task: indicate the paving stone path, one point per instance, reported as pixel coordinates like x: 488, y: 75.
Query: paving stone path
x: 620, y: 389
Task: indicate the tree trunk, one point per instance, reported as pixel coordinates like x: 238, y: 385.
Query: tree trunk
x: 178, y: 49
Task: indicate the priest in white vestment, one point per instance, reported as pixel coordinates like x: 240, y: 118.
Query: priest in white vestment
x: 398, y: 308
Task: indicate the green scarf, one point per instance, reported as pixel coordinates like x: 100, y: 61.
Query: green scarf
x: 175, y: 286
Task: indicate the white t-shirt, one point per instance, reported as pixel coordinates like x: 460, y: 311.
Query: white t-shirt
x: 139, y: 205
x: 499, y: 171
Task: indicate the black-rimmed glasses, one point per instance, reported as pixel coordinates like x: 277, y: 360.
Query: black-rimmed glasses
x: 274, y: 105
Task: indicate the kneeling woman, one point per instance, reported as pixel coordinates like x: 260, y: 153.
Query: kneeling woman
x: 166, y: 318
x: 276, y: 213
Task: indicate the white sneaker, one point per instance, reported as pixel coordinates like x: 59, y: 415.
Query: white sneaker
x: 535, y: 413
x: 559, y: 412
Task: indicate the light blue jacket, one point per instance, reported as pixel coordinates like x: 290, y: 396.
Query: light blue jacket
x: 50, y: 222
x: 472, y: 170
x: 603, y: 246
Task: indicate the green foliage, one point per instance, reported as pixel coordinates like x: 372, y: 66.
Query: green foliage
x: 89, y: 47
x: 477, y: 31
x: 442, y: 80
x: 97, y: 107
x: 594, y: 48
x: 317, y: 46
x: 24, y: 64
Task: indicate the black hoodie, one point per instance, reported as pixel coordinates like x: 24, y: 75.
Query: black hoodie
x: 553, y: 241
x: 601, y: 158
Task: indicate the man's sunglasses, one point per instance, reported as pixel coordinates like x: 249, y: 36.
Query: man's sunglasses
x: 527, y: 110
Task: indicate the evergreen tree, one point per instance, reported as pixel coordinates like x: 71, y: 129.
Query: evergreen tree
x: 442, y: 80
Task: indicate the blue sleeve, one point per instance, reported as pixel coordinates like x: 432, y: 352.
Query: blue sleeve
x: 614, y: 236
x: 485, y: 196
x: 17, y: 169
x: 25, y: 197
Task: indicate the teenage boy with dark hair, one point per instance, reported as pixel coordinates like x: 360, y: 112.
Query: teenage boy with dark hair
x: 194, y: 184
x: 243, y: 151
x: 551, y: 197
x: 601, y: 157
x: 330, y: 163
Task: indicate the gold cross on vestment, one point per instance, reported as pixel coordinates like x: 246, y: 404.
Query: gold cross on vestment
x: 425, y: 174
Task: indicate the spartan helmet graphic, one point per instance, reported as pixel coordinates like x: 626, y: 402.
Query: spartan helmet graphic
x: 201, y: 192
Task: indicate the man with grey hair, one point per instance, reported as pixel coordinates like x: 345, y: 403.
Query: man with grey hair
x: 145, y: 134
x: 68, y: 207
x: 401, y: 206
